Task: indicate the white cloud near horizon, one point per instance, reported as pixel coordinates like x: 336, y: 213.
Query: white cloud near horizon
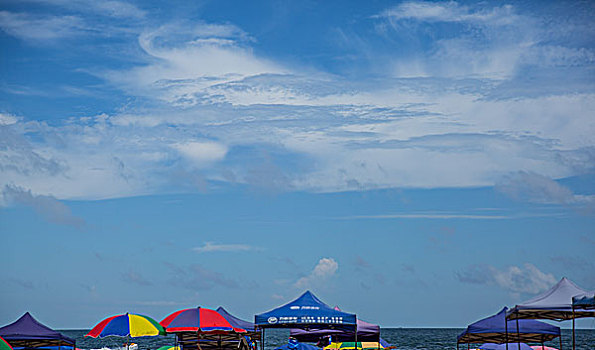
x: 526, y: 279
x: 324, y: 270
x: 209, y: 247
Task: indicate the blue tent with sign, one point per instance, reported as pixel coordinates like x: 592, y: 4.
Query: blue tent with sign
x: 304, y: 312
x: 495, y: 329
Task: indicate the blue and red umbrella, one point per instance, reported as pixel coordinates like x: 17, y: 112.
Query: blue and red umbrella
x: 198, y: 320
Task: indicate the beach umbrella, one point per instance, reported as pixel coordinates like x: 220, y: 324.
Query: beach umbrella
x: 4, y: 344
x: 169, y: 347
x: 127, y: 325
x: 198, y: 319
x: 298, y: 346
x: 349, y: 345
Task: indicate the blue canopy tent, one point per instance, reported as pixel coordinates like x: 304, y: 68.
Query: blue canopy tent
x: 304, y: 312
x: 495, y: 329
x: 27, y: 332
x: 307, y: 311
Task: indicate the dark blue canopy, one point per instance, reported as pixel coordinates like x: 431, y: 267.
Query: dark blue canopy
x: 305, y: 311
x: 234, y: 321
x: 300, y: 346
x: 494, y: 329
x: 28, y: 332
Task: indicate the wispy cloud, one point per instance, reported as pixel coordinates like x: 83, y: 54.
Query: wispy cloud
x: 527, y: 279
x: 49, y: 207
x: 214, y: 247
x: 325, y: 269
x: 109, y: 8
x: 441, y: 216
x: 26, y: 284
x: 532, y: 187
x: 37, y: 27
x: 450, y: 11
x: 135, y: 278
x: 197, y: 277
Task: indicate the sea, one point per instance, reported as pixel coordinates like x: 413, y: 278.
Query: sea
x: 401, y: 338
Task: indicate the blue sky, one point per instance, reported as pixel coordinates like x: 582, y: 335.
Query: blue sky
x: 418, y: 163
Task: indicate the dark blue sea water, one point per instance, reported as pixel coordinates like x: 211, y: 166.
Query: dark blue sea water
x: 402, y: 338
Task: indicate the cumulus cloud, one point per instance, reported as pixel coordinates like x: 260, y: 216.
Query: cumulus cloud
x: 214, y: 247
x: 47, y: 206
x: 8, y: 119
x: 527, y: 279
x: 325, y: 269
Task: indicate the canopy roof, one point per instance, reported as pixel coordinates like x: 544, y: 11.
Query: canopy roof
x: 555, y: 304
x: 584, y: 301
x: 236, y: 322
x: 28, y: 332
x: 493, y: 329
x: 365, y: 332
x: 303, y: 312
x: 198, y: 319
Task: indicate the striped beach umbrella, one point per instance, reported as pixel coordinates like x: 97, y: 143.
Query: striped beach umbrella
x: 169, y: 347
x: 127, y: 325
x: 198, y: 319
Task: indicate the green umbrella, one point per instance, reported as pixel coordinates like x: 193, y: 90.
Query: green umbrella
x: 169, y: 347
x: 4, y: 344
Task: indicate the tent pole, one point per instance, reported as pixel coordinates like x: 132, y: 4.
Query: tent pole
x: 355, y: 346
x: 573, y: 339
x: 506, y: 330
x: 518, y: 334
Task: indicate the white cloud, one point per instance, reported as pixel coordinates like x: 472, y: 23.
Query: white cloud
x: 532, y: 187
x: 8, y: 119
x: 439, y: 216
x: 527, y: 279
x: 325, y: 269
x: 111, y: 8
x: 200, y: 153
x: 450, y: 11
x: 36, y: 27
x: 47, y: 206
x: 214, y: 247
x: 187, y: 59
